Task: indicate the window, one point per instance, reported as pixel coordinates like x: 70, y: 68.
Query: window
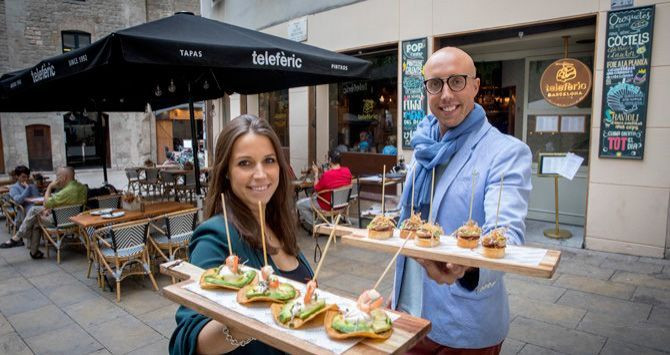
x: 363, y: 114
x: 273, y: 106
x: 554, y: 129
x: 75, y: 39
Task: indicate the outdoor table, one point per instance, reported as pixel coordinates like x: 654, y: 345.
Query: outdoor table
x: 4, y: 189
x: 85, y: 220
x: 35, y: 200
x: 302, y: 185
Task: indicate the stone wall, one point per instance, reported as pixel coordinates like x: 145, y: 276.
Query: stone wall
x: 30, y: 31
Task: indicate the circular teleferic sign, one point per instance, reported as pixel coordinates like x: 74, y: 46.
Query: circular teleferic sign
x: 566, y: 82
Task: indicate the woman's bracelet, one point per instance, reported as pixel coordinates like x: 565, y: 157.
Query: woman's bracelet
x: 235, y: 342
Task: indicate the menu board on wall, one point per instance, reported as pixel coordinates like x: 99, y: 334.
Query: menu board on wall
x: 626, y: 82
x: 414, y: 55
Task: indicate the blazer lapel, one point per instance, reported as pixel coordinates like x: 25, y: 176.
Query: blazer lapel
x: 456, y: 164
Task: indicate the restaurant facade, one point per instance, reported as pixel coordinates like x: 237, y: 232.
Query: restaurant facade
x: 610, y: 117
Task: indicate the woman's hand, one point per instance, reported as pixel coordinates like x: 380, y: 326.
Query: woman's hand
x: 443, y: 273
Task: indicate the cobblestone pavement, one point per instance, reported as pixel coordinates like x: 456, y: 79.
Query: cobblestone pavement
x: 596, y: 303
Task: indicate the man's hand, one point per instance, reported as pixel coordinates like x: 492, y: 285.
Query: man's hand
x: 46, y: 212
x: 443, y: 273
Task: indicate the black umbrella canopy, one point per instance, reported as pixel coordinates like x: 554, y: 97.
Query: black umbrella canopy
x: 158, y: 62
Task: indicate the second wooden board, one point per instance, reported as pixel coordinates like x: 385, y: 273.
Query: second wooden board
x: 521, y: 260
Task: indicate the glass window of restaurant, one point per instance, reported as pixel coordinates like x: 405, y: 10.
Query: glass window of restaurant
x: 273, y: 106
x: 363, y: 114
x: 555, y: 129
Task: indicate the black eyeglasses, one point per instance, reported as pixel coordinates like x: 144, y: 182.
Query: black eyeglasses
x: 455, y: 82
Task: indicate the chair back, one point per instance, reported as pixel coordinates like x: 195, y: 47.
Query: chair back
x: 62, y: 214
x: 129, y: 235
x: 340, y: 197
x: 354, y: 189
x: 181, y: 222
x: 189, y: 179
x: 151, y: 175
x: 109, y: 201
x: 168, y: 177
x: 132, y: 174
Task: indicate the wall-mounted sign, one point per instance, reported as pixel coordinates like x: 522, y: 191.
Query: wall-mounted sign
x: 414, y: 56
x: 565, y: 82
x: 297, y: 29
x: 621, y: 4
x: 626, y: 82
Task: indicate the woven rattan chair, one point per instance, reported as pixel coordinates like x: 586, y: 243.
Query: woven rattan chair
x: 179, y: 227
x: 63, y: 231
x: 150, y: 180
x: 109, y: 201
x: 340, y: 199
x: 168, y: 182
x: 133, y: 176
x: 10, y: 209
x: 124, y: 253
x: 188, y: 186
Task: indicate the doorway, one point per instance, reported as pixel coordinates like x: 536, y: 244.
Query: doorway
x: 38, y: 139
x: 84, y: 140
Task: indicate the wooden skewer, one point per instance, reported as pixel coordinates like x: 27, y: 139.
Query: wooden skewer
x: 413, y: 177
x: 225, y: 220
x: 502, y: 178
x: 472, y: 193
x: 383, y: 187
x: 261, y: 218
x: 432, y: 186
x: 390, y: 263
x: 323, y: 256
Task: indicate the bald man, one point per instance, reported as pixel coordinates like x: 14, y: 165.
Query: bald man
x: 468, y: 307
x: 71, y: 192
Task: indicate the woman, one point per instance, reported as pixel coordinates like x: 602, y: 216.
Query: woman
x: 249, y: 167
x: 21, y: 192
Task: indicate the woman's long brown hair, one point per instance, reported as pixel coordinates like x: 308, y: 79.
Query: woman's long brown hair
x: 280, y: 212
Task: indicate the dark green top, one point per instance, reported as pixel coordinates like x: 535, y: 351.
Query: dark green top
x: 208, y: 249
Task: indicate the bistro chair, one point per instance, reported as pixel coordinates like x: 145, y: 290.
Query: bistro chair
x: 10, y: 209
x: 150, y: 180
x: 63, y: 231
x: 188, y: 186
x: 340, y: 199
x: 108, y: 201
x: 124, y: 253
x: 168, y: 183
x: 133, y: 176
x: 175, y: 235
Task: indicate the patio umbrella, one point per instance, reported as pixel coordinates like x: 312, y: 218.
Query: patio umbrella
x: 177, y: 59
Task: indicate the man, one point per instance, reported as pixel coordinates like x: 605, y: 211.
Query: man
x: 336, y: 176
x: 467, y: 307
x: 21, y: 192
x: 71, y: 192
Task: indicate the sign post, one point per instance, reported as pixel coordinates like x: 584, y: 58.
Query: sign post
x: 549, y: 165
x: 414, y: 56
x: 626, y: 82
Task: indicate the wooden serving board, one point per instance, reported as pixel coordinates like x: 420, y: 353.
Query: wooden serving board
x: 407, y: 330
x: 358, y: 238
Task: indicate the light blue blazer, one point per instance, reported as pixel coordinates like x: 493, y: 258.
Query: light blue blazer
x: 479, y: 318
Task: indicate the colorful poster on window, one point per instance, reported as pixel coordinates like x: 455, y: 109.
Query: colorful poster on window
x: 414, y: 55
x: 626, y: 82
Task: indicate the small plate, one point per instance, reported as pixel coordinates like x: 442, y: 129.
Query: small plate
x: 113, y: 215
x: 102, y: 211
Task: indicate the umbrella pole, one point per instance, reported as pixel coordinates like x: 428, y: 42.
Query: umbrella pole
x: 194, y: 139
x: 103, y: 151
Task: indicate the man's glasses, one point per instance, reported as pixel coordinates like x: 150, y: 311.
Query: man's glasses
x: 455, y: 82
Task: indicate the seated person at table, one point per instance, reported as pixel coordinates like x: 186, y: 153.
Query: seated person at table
x: 71, y: 192
x: 21, y: 192
x: 249, y: 167
x: 336, y: 176
x: 390, y: 148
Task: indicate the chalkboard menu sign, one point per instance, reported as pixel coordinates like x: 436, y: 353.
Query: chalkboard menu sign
x: 414, y: 55
x: 626, y: 82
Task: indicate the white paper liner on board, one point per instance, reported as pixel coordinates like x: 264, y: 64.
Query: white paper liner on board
x: 261, y: 312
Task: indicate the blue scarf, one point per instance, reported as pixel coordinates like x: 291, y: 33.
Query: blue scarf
x: 430, y: 151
